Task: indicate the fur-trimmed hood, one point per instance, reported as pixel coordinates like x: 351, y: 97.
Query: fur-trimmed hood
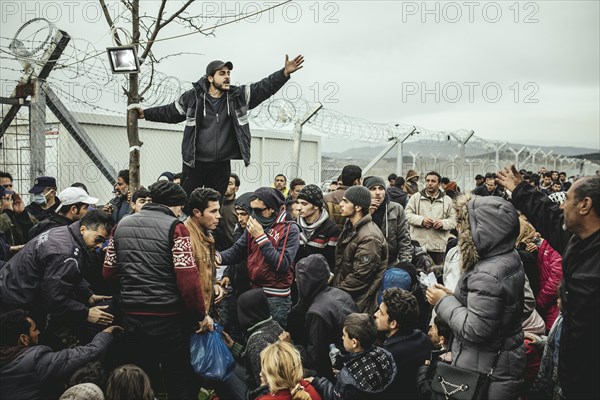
x: 487, y: 226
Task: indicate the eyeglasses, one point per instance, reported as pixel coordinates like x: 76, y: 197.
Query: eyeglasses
x: 7, y: 185
x: 258, y: 210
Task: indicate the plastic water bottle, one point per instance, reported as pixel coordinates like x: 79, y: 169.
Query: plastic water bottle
x: 335, y: 356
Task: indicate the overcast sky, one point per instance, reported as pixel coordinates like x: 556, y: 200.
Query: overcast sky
x: 525, y: 72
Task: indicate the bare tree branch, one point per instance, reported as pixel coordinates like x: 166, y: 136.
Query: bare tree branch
x: 149, y: 83
x: 176, y: 13
x: 179, y: 54
x: 127, y: 4
x: 157, y: 28
x: 110, y: 22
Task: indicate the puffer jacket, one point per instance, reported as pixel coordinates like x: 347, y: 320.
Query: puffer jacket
x: 361, y: 257
x: 396, y: 230
x: 549, y: 263
x: 420, y: 206
x: 191, y: 106
x: 487, y: 306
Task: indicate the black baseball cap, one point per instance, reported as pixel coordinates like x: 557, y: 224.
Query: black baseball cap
x: 217, y: 64
x: 42, y: 182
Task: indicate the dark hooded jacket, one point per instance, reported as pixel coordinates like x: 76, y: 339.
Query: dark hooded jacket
x: 365, y: 375
x: 579, y: 351
x: 29, y: 375
x: 486, y: 309
x: 398, y: 195
x: 326, y: 309
x: 45, y: 276
x: 261, y: 330
x: 207, y: 137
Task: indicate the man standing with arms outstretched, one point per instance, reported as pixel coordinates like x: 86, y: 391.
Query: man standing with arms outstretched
x: 216, y: 121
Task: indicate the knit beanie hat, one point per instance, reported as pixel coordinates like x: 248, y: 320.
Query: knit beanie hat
x: 359, y: 196
x: 166, y: 176
x: 167, y: 193
x: 313, y: 194
x: 371, y: 181
x: 83, y: 391
x: 272, y: 197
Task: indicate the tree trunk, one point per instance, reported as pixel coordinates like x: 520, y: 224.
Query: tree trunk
x: 132, y: 115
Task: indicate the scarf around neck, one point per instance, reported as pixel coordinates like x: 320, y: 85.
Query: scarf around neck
x: 308, y: 230
x: 203, y: 248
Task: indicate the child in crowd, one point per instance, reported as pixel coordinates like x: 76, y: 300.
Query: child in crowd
x: 129, y: 382
x: 368, y: 370
x: 281, y: 372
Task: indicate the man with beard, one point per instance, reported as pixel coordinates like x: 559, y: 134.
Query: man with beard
x: 319, y: 234
x: 216, y: 121
x: 431, y: 217
x: 119, y: 206
x: 573, y: 230
x: 361, y: 254
x: 390, y: 218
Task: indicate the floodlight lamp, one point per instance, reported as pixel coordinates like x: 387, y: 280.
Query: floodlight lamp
x: 123, y: 60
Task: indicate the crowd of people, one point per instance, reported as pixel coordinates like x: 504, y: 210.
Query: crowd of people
x: 359, y: 288
x: 100, y: 302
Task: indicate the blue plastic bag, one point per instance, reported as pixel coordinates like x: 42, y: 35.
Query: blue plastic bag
x: 210, y: 356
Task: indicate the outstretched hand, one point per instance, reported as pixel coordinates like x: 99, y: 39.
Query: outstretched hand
x: 293, y: 65
x: 509, y: 178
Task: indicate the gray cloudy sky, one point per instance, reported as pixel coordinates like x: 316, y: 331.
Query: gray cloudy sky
x: 526, y: 72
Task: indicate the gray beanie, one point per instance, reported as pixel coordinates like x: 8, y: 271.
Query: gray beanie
x: 371, y: 181
x: 359, y: 196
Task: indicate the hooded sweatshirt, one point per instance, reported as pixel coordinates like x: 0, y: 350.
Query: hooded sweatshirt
x: 324, y: 310
x: 261, y: 330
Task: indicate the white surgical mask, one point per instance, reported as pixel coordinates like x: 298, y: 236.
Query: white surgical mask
x: 39, y: 198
